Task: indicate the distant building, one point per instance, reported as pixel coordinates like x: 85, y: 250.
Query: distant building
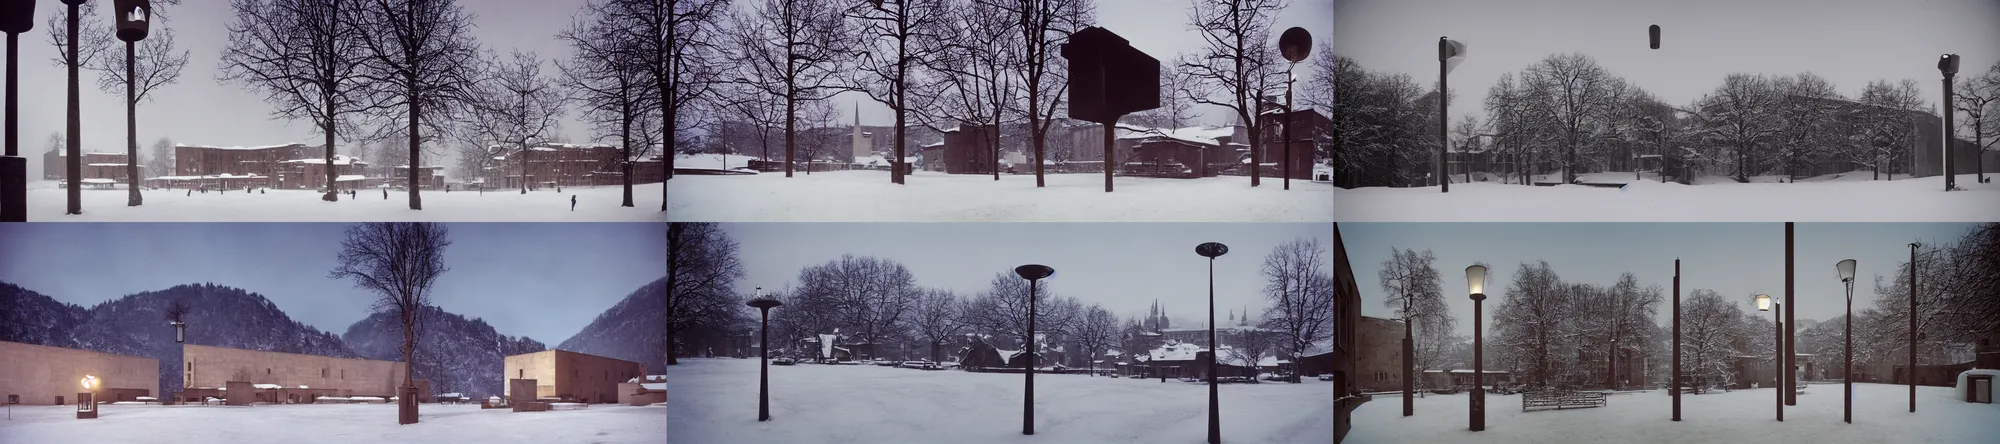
x: 42, y: 375
x: 1309, y: 129
x: 96, y: 165
x: 284, y: 377
x: 572, y: 376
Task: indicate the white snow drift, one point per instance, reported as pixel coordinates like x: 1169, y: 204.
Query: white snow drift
x: 47, y: 203
x: 1835, y: 198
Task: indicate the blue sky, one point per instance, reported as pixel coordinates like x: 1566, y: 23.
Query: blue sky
x: 544, y: 280
x: 1737, y: 260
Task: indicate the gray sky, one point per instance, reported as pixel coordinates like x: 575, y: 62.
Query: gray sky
x: 543, y: 280
x: 1160, y: 29
x: 1123, y: 267
x: 1849, y: 42
x: 201, y: 110
x: 1736, y: 260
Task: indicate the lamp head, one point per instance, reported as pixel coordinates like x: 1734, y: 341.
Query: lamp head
x: 764, y: 303
x: 90, y: 383
x: 134, y: 18
x: 1475, y: 279
x: 1846, y: 268
x: 1211, y: 249
x: 1295, y: 44
x: 1764, y: 302
x: 1034, y: 272
x: 1653, y: 33
x: 1948, y: 64
x: 17, y: 16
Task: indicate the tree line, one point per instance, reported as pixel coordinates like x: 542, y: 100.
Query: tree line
x: 1567, y: 115
x: 1547, y: 331
x: 761, y: 71
x: 878, y: 301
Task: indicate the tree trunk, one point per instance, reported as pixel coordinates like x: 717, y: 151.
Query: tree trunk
x: 74, y: 133
x: 416, y: 201
x: 133, y: 198
x: 625, y: 137
x: 328, y: 88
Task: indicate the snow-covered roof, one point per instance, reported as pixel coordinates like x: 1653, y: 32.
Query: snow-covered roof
x: 654, y: 386
x: 1198, y: 135
x: 1182, y: 351
x: 407, y: 166
x: 262, y: 147
x: 111, y: 165
x: 99, y: 180
x: 267, y: 386
x: 349, y: 178
x: 338, y: 159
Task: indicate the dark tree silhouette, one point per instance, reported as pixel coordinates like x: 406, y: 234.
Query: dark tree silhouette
x: 305, y: 57
x: 398, y: 262
x: 515, y: 105
x: 420, y: 58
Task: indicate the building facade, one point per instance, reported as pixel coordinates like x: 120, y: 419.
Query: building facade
x: 207, y: 367
x: 96, y: 165
x: 42, y: 375
x: 1381, y: 355
x: 572, y: 376
x: 1309, y: 130
x: 1346, y: 341
x: 561, y: 164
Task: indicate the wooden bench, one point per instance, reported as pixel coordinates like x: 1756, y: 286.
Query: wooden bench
x: 1561, y: 399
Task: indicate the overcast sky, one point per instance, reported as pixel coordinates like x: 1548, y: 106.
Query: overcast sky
x: 202, y: 110
x: 543, y: 280
x: 1123, y: 267
x: 1160, y: 29
x: 1848, y: 42
x: 1736, y: 260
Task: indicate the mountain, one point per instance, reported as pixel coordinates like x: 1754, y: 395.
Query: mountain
x: 458, y: 355
x: 136, y: 325
x: 33, y: 318
x: 634, y: 330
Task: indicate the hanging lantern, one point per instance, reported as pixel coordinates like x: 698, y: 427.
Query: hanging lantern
x: 134, y: 17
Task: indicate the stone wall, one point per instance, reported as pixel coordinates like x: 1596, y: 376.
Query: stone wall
x: 38, y: 374
x: 216, y: 366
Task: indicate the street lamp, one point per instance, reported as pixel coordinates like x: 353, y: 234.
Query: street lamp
x: 1846, y: 268
x: 764, y: 306
x: 1034, y: 273
x: 86, y: 402
x: 1912, y: 372
x: 133, y: 17
x: 1450, y: 52
x: 1766, y: 303
x: 1211, y: 250
x: 1475, y: 280
x: 16, y: 17
x: 1948, y: 65
x: 1295, y: 44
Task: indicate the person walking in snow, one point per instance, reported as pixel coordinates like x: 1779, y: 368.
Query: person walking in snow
x: 385, y: 194
x: 572, y: 202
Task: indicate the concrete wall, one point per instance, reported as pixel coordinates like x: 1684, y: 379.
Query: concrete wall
x: 38, y: 374
x: 566, y: 374
x: 207, y: 366
x: 1380, y: 355
x: 628, y: 394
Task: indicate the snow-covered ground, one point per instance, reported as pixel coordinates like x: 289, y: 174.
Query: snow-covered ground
x: 715, y: 401
x: 1881, y: 415
x: 315, y: 423
x: 926, y: 196
x: 1833, y: 198
x: 47, y: 202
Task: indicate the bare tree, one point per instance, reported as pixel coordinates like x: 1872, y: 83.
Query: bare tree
x: 420, y: 59
x: 970, y: 76
x: 701, y: 268
x: 875, y: 297
x: 677, y: 46
x: 1533, y: 322
x: 794, y: 50
x: 1415, y: 291
x: 161, y: 162
x: 305, y: 57
x: 150, y: 64
x: 514, y: 104
x: 1237, y: 68
x: 398, y: 262
x: 1095, y: 331
x: 1709, y: 327
x: 1574, y: 94
x: 1298, y: 281
x: 1979, y: 98
x: 1042, y: 25
x: 1886, y: 125
x: 177, y: 310
x: 899, y: 30
x: 1003, y: 309
x: 939, y: 317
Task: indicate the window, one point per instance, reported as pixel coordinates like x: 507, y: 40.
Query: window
x: 267, y: 370
x: 521, y: 374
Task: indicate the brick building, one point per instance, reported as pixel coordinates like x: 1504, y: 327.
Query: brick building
x: 570, y: 375
x: 42, y: 375
x: 1346, y: 344
x: 561, y: 164
x: 209, y: 368
x: 96, y: 165
x: 1309, y: 128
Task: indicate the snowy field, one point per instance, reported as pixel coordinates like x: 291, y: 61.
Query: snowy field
x: 927, y: 196
x: 1845, y: 198
x: 1881, y: 415
x: 376, y: 423
x: 715, y: 401
x: 46, y: 203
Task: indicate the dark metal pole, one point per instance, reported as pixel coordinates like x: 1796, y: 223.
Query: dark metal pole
x: 1950, y: 175
x: 1912, y: 373
x: 1409, y: 348
x: 1214, y: 404
x: 1676, y: 389
x: 15, y: 205
x: 131, y: 131
x: 1791, y: 342
x: 1847, y: 379
x: 1028, y: 403
x: 1290, y: 118
x: 1478, y: 364
x: 764, y: 367
x: 74, y: 133
x: 1777, y: 359
x: 1110, y: 131
x: 1444, y: 180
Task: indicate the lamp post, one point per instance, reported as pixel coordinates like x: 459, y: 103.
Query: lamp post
x: 16, y: 17
x: 1791, y: 335
x: 1676, y: 378
x: 1948, y: 65
x: 1912, y: 372
x: 1846, y: 268
x: 73, y: 134
x: 764, y: 306
x: 1450, y: 52
x: 1409, y: 372
x: 132, y: 21
x: 1034, y: 273
x: 1766, y: 303
x: 1211, y: 250
x: 86, y: 400
x: 1475, y: 279
x: 1295, y: 44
